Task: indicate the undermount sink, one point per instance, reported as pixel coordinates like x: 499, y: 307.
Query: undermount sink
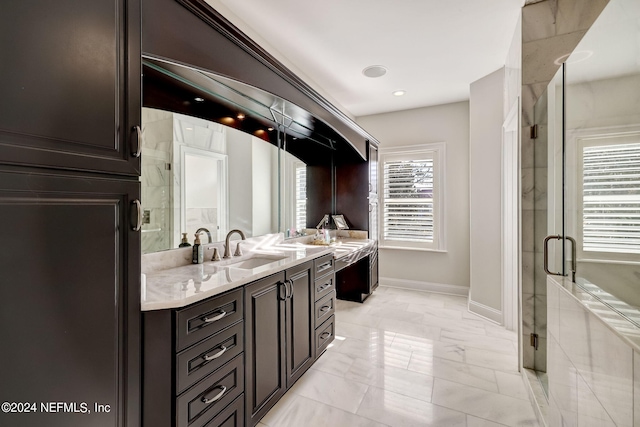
x: 255, y: 262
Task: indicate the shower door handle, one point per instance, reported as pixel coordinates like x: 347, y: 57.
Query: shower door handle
x: 574, y: 261
x: 546, y: 253
x: 573, y: 255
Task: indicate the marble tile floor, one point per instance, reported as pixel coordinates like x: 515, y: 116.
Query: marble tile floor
x: 410, y: 358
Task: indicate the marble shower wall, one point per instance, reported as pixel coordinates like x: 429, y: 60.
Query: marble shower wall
x: 205, y: 135
x: 593, y: 371
x: 551, y: 29
x: 164, y: 134
x: 156, y: 179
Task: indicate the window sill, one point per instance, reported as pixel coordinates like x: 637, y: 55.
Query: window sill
x: 405, y: 248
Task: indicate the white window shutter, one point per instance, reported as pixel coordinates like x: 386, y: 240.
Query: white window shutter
x: 611, y: 198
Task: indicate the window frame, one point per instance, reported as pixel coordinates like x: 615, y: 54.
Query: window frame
x: 436, y: 151
x: 595, y: 138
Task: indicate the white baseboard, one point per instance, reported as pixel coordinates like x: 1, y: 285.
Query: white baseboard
x: 424, y: 286
x: 485, y: 311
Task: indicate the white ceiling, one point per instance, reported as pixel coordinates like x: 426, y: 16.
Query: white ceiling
x: 433, y: 49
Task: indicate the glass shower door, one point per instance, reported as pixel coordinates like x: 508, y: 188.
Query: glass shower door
x: 548, y: 212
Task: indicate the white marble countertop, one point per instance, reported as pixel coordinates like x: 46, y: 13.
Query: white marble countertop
x: 182, y: 285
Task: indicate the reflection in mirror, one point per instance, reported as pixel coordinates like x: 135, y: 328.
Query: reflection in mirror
x: 265, y: 156
x: 200, y: 174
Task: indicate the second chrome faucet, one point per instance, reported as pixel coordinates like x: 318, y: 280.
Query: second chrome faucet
x: 227, y: 251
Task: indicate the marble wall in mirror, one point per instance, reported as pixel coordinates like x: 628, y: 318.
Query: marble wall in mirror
x: 201, y: 174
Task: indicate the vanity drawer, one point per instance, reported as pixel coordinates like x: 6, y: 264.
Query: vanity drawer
x: 323, y: 265
x: 324, y: 286
x: 202, y: 320
x: 325, y: 308
x: 207, y: 356
x: 231, y: 416
x: 325, y: 334
x: 198, y: 405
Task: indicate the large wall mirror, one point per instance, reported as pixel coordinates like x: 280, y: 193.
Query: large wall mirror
x: 220, y: 155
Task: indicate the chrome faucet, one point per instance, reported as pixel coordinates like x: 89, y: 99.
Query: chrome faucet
x: 201, y: 229
x: 227, y: 252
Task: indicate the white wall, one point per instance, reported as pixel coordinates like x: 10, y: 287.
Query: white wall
x: 486, y: 113
x: 447, y: 123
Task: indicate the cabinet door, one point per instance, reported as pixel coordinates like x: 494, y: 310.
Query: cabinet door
x: 70, y: 84
x: 70, y: 300
x: 300, y: 321
x: 264, y: 346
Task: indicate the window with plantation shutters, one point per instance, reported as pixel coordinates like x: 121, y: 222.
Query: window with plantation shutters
x: 611, y: 196
x: 301, y: 196
x: 411, y: 198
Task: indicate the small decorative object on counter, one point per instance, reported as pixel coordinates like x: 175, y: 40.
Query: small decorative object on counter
x: 184, y: 242
x: 198, y: 251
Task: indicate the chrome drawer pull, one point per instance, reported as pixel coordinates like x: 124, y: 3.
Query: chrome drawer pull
x: 324, y: 266
x: 214, y: 318
x: 323, y: 287
x: 325, y: 308
x: 325, y: 335
x: 216, y: 397
x: 215, y: 356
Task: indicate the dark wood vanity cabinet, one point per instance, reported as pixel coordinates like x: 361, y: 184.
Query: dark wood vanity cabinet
x: 266, y: 375
x: 325, y: 303
x: 194, y: 364
x: 279, y: 336
x: 299, y: 318
x: 69, y: 315
x: 70, y: 84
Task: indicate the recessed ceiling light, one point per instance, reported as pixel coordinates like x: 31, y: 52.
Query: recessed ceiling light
x: 199, y: 99
x: 240, y: 116
x: 189, y: 128
x: 575, y: 57
x: 269, y: 129
x: 374, y: 71
x: 399, y: 93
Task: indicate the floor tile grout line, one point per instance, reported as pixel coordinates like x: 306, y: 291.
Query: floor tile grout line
x: 477, y: 388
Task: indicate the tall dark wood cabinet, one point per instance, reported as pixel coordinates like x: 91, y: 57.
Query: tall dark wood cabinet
x: 357, y: 199
x: 374, y: 209
x: 70, y: 84
x: 70, y: 288
x: 69, y: 297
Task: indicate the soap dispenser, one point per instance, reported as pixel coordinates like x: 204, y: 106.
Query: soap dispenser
x: 198, y: 251
x: 185, y: 243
